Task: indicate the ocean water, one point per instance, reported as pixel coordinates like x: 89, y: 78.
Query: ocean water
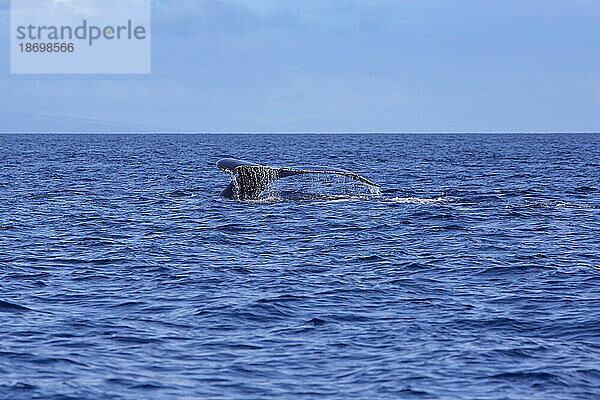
x: 474, y: 273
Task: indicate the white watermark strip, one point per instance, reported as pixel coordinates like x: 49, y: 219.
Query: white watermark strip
x: 80, y: 36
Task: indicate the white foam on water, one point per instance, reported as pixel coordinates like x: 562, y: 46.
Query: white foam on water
x: 418, y: 200
x: 321, y: 188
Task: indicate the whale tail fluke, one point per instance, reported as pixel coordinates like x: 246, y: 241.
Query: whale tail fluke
x: 251, y: 180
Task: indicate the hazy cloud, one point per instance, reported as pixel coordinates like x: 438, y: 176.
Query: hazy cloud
x: 196, y: 17
x: 334, y: 65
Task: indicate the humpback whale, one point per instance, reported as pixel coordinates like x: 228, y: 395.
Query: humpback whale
x: 250, y: 180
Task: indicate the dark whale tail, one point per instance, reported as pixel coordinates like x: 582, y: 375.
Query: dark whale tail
x: 251, y: 180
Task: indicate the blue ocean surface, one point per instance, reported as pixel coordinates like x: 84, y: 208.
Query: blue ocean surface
x: 473, y: 273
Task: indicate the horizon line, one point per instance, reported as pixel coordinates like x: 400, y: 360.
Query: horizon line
x: 168, y: 132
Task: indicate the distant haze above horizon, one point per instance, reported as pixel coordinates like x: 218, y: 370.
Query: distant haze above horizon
x: 334, y: 66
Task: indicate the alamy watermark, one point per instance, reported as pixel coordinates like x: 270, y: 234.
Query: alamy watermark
x: 83, y: 36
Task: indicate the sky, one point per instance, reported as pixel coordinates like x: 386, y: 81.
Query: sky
x: 334, y: 66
